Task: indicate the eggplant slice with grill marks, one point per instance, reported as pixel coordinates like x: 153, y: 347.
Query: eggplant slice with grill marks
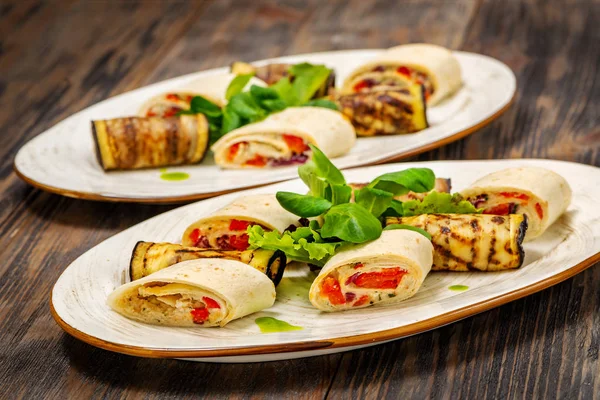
x: 386, y: 112
x: 138, y: 142
x: 472, y: 242
x: 148, y: 258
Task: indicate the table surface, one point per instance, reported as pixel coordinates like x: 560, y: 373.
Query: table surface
x: 59, y: 57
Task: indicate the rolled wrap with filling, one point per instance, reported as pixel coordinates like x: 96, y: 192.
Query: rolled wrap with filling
x: 136, y: 142
x: 472, y: 242
x: 386, y: 112
x: 539, y: 193
x: 283, y: 138
x: 225, y: 228
x: 204, y: 293
x: 387, y: 270
x: 170, y: 104
x: 429, y: 65
x: 148, y: 258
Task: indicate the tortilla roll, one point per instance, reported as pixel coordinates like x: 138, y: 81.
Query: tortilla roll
x: 472, y: 242
x: 387, y: 270
x: 386, y: 112
x: 283, y: 139
x: 136, y: 142
x: 205, y: 292
x: 429, y: 65
x: 541, y: 194
x: 168, y: 105
x: 442, y: 185
x: 148, y: 258
x: 225, y: 229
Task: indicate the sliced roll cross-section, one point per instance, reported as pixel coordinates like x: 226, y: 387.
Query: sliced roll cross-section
x: 137, y: 142
x: 471, y: 242
x: 225, y: 229
x: 433, y: 67
x: 283, y: 138
x: 386, y: 112
x: 169, y: 104
x: 148, y: 258
x: 541, y: 194
x: 387, y: 270
x: 204, y: 293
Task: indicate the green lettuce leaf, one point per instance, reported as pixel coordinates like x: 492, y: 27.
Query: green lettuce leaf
x: 439, y: 203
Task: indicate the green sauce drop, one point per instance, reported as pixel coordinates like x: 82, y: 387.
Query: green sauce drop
x: 458, y: 288
x: 174, y: 176
x: 272, y: 325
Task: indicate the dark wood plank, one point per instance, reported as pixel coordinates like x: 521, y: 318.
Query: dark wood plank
x: 59, y: 57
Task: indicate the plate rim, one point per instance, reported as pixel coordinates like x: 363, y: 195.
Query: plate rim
x: 342, y: 342
x: 84, y: 195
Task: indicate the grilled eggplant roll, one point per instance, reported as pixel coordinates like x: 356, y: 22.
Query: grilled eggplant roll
x: 136, y: 142
x: 472, y: 242
x: 272, y: 73
x: 541, y: 194
x: 442, y: 185
x: 201, y: 293
x: 283, y: 138
x: 225, y: 229
x: 432, y: 66
x: 387, y: 270
x: 386, y: 112
x: 148, y: 258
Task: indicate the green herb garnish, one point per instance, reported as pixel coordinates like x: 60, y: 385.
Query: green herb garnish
x: 259, y: 102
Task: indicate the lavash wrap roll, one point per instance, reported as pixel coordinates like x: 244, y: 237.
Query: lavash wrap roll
x: 211, y: 87
x: 188, y: 292
x: 549, y: 195
x: 404, y: 249
x: 327, y: 129
x: 258, y: 209
x: 441, y: 67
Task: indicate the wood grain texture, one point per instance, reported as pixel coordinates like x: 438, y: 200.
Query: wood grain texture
x: 61, y: 56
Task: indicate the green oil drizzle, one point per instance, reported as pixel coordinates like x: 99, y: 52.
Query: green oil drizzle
x: 458, y: 288
x: 174, y: 176
x: 272, y: 325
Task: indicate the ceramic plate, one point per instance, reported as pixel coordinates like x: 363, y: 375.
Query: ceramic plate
x: 569, y: 246
x: 62, y: 160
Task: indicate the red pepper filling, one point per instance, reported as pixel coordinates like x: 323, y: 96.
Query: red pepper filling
x: 389, y: 278
x: 195, y: 235
x: 237, y: 225
x: 210, y: 303
x: 514, y: 195
x: 331, y: 288
x: 239, y: 242
x: 364, y: 84
x: 500, y: 209
x: 257, y: 161
x: 539, y: 210
x: 171, y: 111
x: 358, y: 265
x: 404, y: 71
x: 361, y: 302
x: 198, y: 240
x: 295, y: 144
x: 200, y: 315
x: 172, y: 97
x: 233, y: 150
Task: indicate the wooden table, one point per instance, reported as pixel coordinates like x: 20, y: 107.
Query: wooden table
x: 59, y: 57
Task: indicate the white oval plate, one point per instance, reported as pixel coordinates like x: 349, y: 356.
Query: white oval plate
x: 79, y: 296
x: 61, y: 160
